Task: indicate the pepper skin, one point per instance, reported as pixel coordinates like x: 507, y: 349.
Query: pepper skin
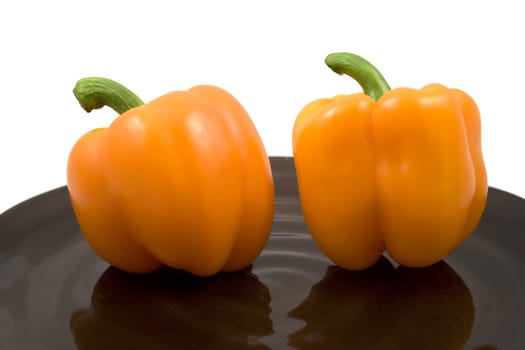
x: 399, y: 170
x: 182, y: 181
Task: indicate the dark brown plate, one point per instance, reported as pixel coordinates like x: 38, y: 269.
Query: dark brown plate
x: 56, y: 294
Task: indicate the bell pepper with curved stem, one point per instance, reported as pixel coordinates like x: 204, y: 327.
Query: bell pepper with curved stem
x: 182, y: 181
x: 399, y: 169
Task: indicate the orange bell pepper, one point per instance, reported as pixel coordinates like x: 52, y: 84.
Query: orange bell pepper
x: 399, y: 170
x: 183, y: 181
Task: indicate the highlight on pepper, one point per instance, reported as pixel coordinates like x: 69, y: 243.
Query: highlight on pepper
x: 182, y: 181
x: 389, y: 170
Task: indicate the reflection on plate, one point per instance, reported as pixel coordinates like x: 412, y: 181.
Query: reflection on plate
x: 386, y: 308
x: 174, y: 310
x: 56, y: 294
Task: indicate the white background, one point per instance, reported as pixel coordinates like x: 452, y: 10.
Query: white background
x: 268, y: 54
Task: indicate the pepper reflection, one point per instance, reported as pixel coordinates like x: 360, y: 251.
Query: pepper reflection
x: 171, y: 309
x: 386, y: 308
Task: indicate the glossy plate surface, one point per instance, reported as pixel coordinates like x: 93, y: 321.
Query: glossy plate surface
x: 56, y: 294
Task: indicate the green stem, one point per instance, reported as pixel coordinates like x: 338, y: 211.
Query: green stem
x: 94, y: 93
x: 368, y: 76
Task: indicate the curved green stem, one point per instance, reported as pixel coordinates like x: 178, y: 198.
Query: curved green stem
x: 368, y: 76
x: 95, y: 92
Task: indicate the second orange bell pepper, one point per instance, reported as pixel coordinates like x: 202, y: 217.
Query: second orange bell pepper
x: 399, y: 170
x: 182, y: 181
